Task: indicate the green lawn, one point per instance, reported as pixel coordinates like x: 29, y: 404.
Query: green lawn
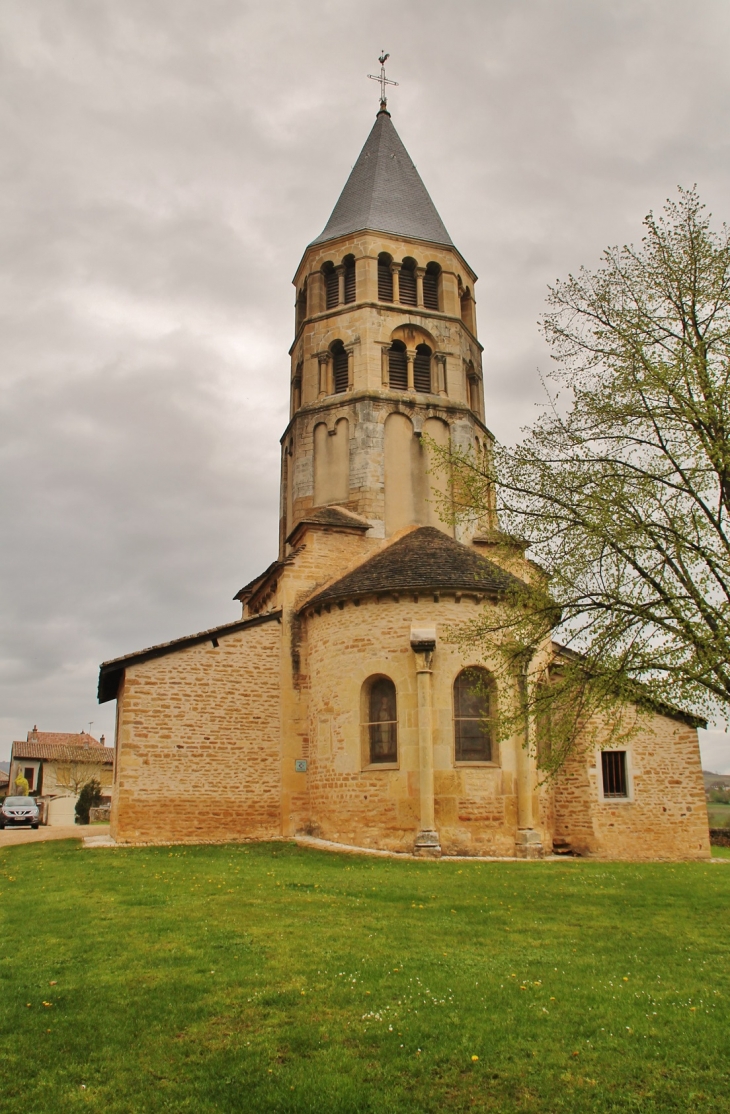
x: 276, y: 979
x: 719, y: 815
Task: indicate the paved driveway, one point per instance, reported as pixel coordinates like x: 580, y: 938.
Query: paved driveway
x: 11, y: 836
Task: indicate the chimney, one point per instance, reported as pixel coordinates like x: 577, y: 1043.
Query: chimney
x: 102, y: 740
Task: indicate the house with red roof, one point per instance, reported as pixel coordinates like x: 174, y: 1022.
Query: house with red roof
x: 56, y: 765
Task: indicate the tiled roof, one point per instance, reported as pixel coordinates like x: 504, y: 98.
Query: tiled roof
x: 338, y: 517
x: 60, y: 753
x: 424, y: 560
x: 63, y: 738
x: 384, y: 193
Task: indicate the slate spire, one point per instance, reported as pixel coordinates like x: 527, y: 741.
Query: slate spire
x: 384, y: 193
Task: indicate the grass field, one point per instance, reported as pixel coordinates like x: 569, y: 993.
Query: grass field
x: 277, y: 979
x: 719, y: 815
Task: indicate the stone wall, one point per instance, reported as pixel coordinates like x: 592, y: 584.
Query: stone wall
x: 665, y: 814
x: 199, y: 743
x: 352, y: 802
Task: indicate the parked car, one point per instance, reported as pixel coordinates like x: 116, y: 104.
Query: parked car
x: 19, y: 812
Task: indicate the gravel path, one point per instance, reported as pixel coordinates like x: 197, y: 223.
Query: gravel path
x: 12, y: 836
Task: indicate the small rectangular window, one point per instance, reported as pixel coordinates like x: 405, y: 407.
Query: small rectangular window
x: 613, y: 765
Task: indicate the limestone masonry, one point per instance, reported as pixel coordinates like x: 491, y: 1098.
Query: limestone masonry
x: 339, y: 706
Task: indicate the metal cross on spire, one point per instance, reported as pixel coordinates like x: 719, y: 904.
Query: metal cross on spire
x: 382, y: 79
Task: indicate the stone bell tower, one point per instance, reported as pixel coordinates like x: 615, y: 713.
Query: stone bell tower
x: 385, y: 350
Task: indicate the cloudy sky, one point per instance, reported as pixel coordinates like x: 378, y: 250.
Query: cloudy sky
x: 164, y: 164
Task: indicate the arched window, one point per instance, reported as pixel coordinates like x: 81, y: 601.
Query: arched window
x: 474, y: 709
x: 431, y: 286
x: 301, y: 305
x: 350, y: 287
x: 467, y: 309
x: 407, y: 282
x: 422, y: 369
x: 385, y: 278
x: 339, y: 367
x: 296, y: 389
x: 381, y: 723
x: 397, y: 367
x: 472, y: 384
x: 331, y: 285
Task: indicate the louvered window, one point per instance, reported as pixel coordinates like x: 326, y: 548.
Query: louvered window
x: 613, y: 765
x: 431, y: 289
x: 408, y: 285
x: 350, y: 288
x: 398, y: 367
x: 422, y: 369
x: 473, y: 716
x: 385, y: 281
x: 339, y: 369
x: 332, y: 286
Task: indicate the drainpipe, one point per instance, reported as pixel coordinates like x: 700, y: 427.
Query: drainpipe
x: 423, y: 644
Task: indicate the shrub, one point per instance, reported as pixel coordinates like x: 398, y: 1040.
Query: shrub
x: 89, y: 797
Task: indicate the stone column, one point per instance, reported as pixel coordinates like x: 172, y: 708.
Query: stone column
x: 385, y: 367
x: 315, y: 293
x: 423, y: 643
x: 340, y: 284
x: 440, y: 361
x: 324, y: 359
x: 420, y: 272
x: 528, y: 843
x: 395, y: 271
x: 411, y: 381
x: 350, y: 366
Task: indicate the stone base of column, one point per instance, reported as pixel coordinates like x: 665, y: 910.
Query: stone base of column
x: 528, y: 844
x: 427, y: 845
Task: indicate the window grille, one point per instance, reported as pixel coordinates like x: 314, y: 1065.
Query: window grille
x: 473, y: 716
x: 407, y: 284
x: 339, y: 369
x: 431, y: 289
x: 332, y: 287
x: 385, y: 280
x: 350, y: 286
x: 398, y: 367
x: 422, y: 369
x: 615, y: 782
x: 382, y: 726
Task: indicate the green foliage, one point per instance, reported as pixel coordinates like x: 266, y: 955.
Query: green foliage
x: 89, y: 797
x: 272, y: 978
x: 621, y: 488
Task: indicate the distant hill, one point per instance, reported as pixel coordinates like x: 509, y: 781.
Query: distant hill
x: 5, y: 766
x: 711, y: 780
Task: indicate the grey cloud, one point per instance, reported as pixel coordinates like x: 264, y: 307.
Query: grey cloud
x: 164, y: 164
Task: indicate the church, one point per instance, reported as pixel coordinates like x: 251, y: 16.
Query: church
x: 338, y: 706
